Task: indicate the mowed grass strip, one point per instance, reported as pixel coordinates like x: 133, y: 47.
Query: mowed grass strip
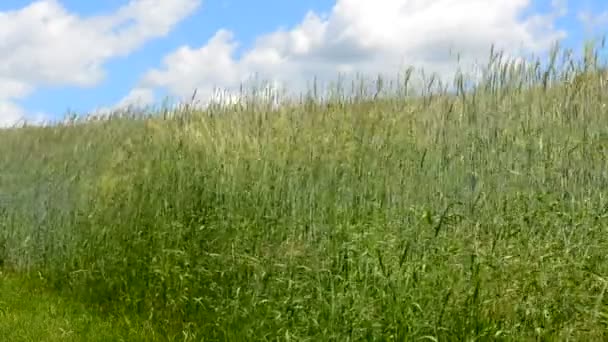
x: 29, y: 312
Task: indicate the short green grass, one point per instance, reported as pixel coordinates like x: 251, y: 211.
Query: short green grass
x: 475, y: 215
x: 31, y: 313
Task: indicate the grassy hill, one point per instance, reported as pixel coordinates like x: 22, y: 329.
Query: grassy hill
x: 474, y: 214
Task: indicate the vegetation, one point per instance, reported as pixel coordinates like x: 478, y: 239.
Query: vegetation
x: 29, y: 313
x: 470, y: 212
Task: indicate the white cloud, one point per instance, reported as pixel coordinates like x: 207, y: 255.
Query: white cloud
x: 593, y: 21
x: 363, y: 36
x: 13, y: 88
x: 138, y: 97
x: 11, y: 114
x: 43, y: 44
x: 212, y: 63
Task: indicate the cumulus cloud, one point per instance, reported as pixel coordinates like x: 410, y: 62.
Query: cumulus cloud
x: 12, y: 114
x: 212, y: 62
x: 362, y: 36
x: 138, y: 97
x: 44, y: 45
x: 593, y: 21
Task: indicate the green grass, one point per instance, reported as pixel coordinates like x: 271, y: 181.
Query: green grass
x: 29, y: 313
x: 478, y: 215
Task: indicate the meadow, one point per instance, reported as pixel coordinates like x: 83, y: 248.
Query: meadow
x: 469, y: 212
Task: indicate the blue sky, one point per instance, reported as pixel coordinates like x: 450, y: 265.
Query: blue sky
x: 246, y: 18
x: 249, y: 20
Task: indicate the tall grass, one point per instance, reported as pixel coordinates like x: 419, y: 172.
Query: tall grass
x: 472, y: 212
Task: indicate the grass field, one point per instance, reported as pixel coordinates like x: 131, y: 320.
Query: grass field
x: 477, y: 214
x: 31, y: 313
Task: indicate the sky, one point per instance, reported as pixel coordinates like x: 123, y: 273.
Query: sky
x: 89, y: 56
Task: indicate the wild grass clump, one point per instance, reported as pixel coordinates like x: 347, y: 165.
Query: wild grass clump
x: 472, y: 212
